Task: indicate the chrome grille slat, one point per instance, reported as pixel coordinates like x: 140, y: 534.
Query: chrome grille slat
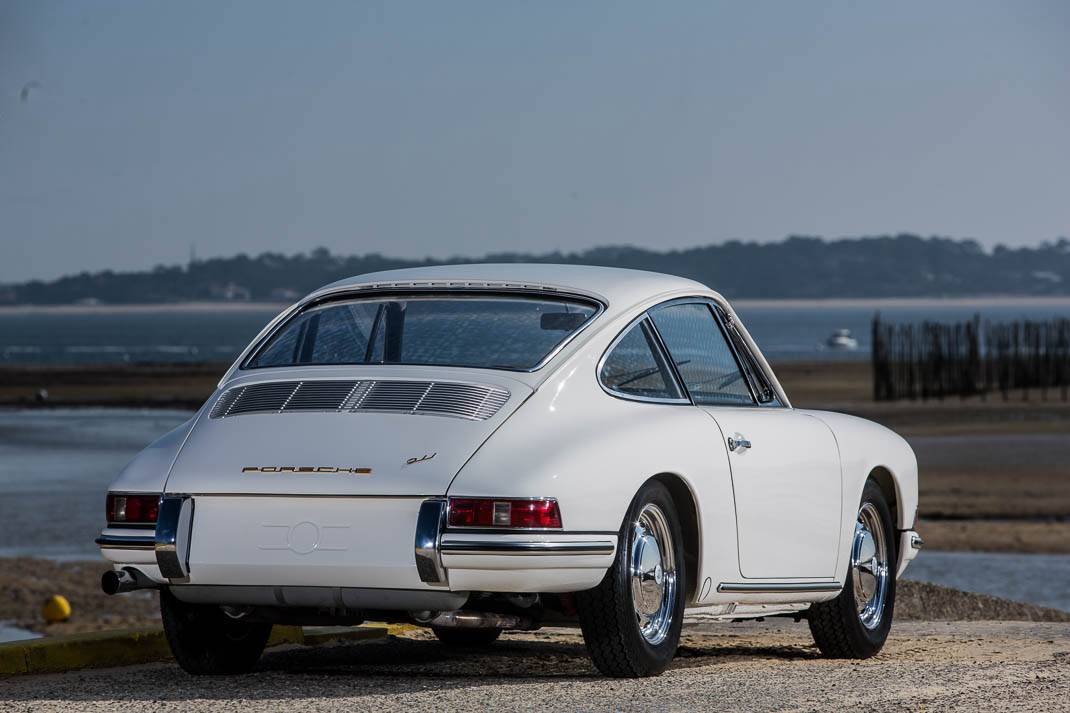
x: 320, y: 396
x: 432, y: 398
x: 394, y: 396
x: 263, y: 397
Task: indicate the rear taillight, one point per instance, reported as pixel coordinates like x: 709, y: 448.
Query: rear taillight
x: 125, y: 508
x: 494, y: 512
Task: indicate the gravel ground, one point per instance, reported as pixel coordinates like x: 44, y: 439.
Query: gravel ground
x: 26, y: 583
x: 974, y: 666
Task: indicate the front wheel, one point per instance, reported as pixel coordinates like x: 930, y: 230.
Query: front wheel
x: 855, y: 624
x: 205, y: 641
x: 631, y: 621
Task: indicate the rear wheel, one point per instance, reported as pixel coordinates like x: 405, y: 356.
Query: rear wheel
x: 462, y: 638
x: 631, y: 621
x: 205, y: 641
x: 855, y: 624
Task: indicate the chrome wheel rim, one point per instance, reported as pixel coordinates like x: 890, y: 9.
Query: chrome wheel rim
x: 652, y: 573
x: 869, y: 566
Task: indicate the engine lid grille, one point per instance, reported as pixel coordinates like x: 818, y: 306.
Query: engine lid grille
x: 433, y: 398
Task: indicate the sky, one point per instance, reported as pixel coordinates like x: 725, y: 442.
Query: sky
x: 133, y: 132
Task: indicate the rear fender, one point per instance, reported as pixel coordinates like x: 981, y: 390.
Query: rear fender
x: 592, y: 451
x: 148, y: 471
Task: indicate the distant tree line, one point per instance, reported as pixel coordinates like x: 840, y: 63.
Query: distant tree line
x: 797, y: 267
x: 933, y: 361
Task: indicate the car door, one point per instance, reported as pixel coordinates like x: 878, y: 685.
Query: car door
x: 785, y: 464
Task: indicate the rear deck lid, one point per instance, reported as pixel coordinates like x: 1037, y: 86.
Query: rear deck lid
x: 296, y: 433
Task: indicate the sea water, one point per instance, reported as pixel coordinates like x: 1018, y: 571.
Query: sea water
x: 785, y: 330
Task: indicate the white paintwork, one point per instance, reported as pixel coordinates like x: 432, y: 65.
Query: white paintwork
x: 782, y: 512
x: 278, y: 541
x: 219, y: 448
x: 787, y: 488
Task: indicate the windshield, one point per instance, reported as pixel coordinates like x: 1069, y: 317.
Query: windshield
x: 488, y: 331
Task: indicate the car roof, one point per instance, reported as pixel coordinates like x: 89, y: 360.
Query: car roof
x: 615, y: 286
x: 620, y: 289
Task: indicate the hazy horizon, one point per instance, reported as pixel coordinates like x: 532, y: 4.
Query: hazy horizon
x: 131, y: 132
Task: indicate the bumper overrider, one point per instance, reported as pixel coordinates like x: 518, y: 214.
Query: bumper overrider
x: 910, y: 544
x: 446, y: 558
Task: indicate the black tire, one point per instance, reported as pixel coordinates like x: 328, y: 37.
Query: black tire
x: 463, y: 638
x: 836, y: 624
x: 205, y: 641
x: 607, y: 613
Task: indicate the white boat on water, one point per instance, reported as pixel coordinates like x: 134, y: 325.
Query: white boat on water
x: 841, y: 339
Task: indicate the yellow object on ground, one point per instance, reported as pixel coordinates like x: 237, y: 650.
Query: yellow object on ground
x: 56, y: 609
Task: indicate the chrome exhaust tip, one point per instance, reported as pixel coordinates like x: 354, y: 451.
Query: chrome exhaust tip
x: 123, y: 580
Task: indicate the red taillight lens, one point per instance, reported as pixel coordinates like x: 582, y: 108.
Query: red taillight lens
x: 133, y: 508
x: 492, y: 512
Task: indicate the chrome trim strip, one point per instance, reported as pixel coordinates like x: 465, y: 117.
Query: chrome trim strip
x: 491, y: 530
x: 169, y: 528
x: 488, y: 547
x: 664, y: 353
x: 126, y: 542
x: 429, y: 525
x: 348, y: 496
x: 778, y: 588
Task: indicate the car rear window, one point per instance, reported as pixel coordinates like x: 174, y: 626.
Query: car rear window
x: 514, y: 332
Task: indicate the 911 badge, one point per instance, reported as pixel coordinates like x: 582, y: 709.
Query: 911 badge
x: 420, y: 459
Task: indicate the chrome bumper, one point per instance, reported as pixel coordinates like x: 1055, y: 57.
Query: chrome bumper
x: 910, y: 544
x: 126, y: 542
x: 528, y: 547
x: 169, y: 541
x: 436, y: 547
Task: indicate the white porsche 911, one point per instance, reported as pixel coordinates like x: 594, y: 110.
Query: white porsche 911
x: 477, y: 448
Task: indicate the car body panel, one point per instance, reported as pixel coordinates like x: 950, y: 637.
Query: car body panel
x: 304, y: 541
x: 404, y: 454
x: 559, y: 435
x: 787, y: 488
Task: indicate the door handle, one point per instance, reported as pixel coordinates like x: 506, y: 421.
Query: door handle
x: 738, y: 444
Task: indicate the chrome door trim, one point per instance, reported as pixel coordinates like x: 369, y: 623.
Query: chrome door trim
x: 726, y: 323
x: 778, y: 587
x: 710, y: 305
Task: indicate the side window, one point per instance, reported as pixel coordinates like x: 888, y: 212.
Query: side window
x: 763, y: 391
x: 702, y: 356
x: 635, y: 367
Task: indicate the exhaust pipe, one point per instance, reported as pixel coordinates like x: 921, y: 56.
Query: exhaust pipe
x: 123, y: 580
x: 462, y: 619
